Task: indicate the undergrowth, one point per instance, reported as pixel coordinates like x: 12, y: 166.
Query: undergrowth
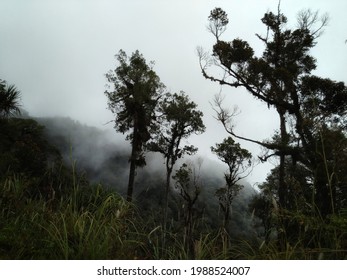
x: 91, y: 222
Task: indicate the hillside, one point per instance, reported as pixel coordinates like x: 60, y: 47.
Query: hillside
x: 62, y: 197
x: 57, y: 166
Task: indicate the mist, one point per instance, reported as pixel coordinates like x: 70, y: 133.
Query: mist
x: 58, y: 52
x: 102, y: 157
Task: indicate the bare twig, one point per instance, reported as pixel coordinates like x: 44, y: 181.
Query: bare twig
x: 308, y: 19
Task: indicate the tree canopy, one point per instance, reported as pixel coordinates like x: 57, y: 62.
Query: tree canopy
x: 309, y: 107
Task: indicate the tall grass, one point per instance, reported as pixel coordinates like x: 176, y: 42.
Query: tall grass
x: 316, y: 238
x: 88, y: 231
x: 87, y: 223
x: 91, y: 222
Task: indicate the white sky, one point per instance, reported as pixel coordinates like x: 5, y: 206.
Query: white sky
x: 57, y: 52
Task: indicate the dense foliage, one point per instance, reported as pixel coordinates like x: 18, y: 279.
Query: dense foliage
x: 309, y: 180
x: 133, y: 98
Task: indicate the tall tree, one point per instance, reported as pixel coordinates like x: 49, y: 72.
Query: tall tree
x: 9, y: 100
x: 280, y: 77
x: 239, y: 163
x: 133, y: 99
x: 178, y: 119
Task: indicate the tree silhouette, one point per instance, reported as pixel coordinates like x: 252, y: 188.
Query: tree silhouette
x: 187, y: 183
x: 280, y: 77
x: 178, y: 119
x: 9, y: 100
x: 133, y: 99
x: 239, y: 162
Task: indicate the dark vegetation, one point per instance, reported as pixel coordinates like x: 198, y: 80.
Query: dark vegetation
x: 69, y: 192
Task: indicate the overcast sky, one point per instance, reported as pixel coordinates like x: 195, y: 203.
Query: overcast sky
x: 57, y: 54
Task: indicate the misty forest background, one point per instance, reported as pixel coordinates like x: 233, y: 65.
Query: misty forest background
x: 68, y: 191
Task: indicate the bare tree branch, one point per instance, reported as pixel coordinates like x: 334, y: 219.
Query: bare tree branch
x: 308, y: 19
x: 225, y: 116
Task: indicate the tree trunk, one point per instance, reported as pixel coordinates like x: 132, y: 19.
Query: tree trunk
x: 131, y: 176
x: 282, y: 188
x: 226, y: 217
x: 133, y: 158
x: 323, y: 199
x: 166, y: 205
x: 281, y: 175
x: 189, y: 240
x: 167, y: 190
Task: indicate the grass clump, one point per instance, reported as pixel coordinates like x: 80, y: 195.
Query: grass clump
x: 90, y: 222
